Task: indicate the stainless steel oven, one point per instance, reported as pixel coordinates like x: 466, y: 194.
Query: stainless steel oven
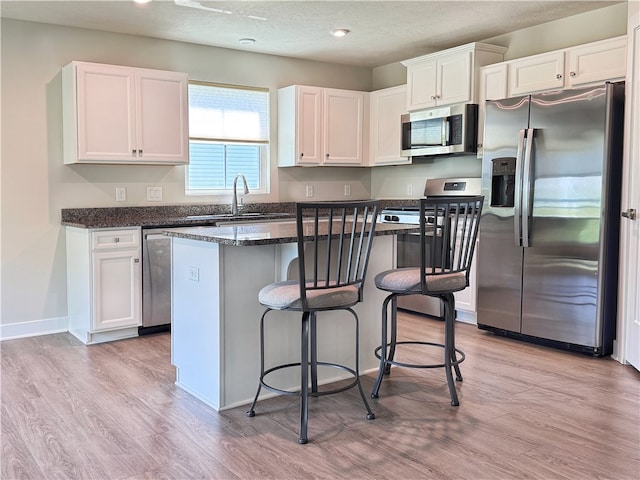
x: 408, y: 248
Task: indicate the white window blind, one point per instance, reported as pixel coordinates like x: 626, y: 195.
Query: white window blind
x: 229, y: 134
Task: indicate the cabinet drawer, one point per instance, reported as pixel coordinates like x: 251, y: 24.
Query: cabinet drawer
x: 110, y: 239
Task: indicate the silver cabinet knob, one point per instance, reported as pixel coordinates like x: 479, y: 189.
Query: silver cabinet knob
x: 558, y: 76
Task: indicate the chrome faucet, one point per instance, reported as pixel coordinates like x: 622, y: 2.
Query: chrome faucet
x: 234, y: 200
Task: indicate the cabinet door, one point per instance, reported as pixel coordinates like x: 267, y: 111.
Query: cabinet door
x: 537, y: 73
x: 162, y: 111
x: 105, y: 113
x: 493, y: 86
x: 116, y: 289
x: 308, y: 130
x: 454, y: 79
x: 597, y: 62
x: 466, y: 299
x: 421, y: 85
x: 343, y: 127
x: 387, y: 106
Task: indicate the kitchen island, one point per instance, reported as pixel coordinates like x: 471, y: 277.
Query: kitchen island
x: 217, y: 274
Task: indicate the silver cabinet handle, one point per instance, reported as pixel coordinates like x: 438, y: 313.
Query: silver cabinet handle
x: 558, y: 76
x: 116, y: 239
x: 630, y: 214
x: 139, y: 152
x: 572, y: 74
x: 136, y: 260
x: 133, y: 152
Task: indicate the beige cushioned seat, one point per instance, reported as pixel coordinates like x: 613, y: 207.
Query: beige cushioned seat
x: 407, y: 280
x: 286, y: 295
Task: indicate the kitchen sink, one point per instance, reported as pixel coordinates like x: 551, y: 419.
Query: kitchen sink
x: 221, y: 219
x: 220, y: 216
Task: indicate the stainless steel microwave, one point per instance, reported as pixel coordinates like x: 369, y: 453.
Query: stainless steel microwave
x: 440, y: 131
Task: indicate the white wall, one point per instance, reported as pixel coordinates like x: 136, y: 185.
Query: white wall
x: 36, y: 184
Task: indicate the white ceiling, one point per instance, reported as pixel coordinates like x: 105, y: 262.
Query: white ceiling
x: 382, y: 32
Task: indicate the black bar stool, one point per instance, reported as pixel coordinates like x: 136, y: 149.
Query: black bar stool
x: 334, y: 243
x: 448, y: 233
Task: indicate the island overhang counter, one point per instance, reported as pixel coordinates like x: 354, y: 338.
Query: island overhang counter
x: 217, y: 273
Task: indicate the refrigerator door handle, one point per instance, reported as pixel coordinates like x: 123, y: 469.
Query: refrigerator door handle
x: 527, y: 188
x: 517, y: 198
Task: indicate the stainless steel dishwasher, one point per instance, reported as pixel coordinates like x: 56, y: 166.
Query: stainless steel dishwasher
x: 156, y: 281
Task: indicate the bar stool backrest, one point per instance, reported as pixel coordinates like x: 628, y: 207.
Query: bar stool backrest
x: 448, y: 234
x: 340, y: 259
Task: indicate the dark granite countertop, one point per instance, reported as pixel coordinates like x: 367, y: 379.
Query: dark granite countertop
x: 183, y: 215
x: 269, y: 233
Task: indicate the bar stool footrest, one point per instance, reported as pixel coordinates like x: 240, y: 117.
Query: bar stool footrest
x: 459, y: 357
x: 296, y: 392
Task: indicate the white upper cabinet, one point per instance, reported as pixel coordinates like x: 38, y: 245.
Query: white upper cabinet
x: 448, y: 77
x: 597, y: 62
x: 536, y: 73
x: 387, y: 106
x: 572, y: 67
x: 114, y: 114
x: 493, y: 86
x: 321, y: 126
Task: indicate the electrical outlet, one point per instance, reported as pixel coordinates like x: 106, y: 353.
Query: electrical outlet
x: 409, y: 189
x: 154, y: 194
x: 309, y: 190
x: 347, y: 190
x: 194, y: 274
x: 121, y: 194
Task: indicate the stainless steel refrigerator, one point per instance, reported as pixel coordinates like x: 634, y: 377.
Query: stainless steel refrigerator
x: 549, y: 233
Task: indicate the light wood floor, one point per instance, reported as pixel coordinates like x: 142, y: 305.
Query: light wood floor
x: 111, y: 411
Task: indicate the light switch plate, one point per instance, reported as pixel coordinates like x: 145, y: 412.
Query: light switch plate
x: 194, y: 274
x: 121, y: 194
x: 154, y: 194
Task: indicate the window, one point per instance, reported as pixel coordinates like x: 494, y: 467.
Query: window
x: 228, y: 134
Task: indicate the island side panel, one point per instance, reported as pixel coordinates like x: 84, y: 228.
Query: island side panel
x: 245, y: 271
x: 196, y: 320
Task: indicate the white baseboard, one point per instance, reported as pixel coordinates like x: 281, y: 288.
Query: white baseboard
x: 34, y: 328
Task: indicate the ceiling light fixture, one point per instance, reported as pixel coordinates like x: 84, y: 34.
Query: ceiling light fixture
x: 340, y: 32
x: 141, y: 1
x: 247, y: 41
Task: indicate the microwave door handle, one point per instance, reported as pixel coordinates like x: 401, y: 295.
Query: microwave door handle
x: 517, y: 198
x: 527, y: 197
x: 445, y: 132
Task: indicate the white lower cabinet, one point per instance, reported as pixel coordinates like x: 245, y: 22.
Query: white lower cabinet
x: 104, y: 283
x: 466, y: 299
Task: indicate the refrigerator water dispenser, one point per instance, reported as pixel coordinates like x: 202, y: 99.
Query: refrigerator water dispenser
x: 503, y: 181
